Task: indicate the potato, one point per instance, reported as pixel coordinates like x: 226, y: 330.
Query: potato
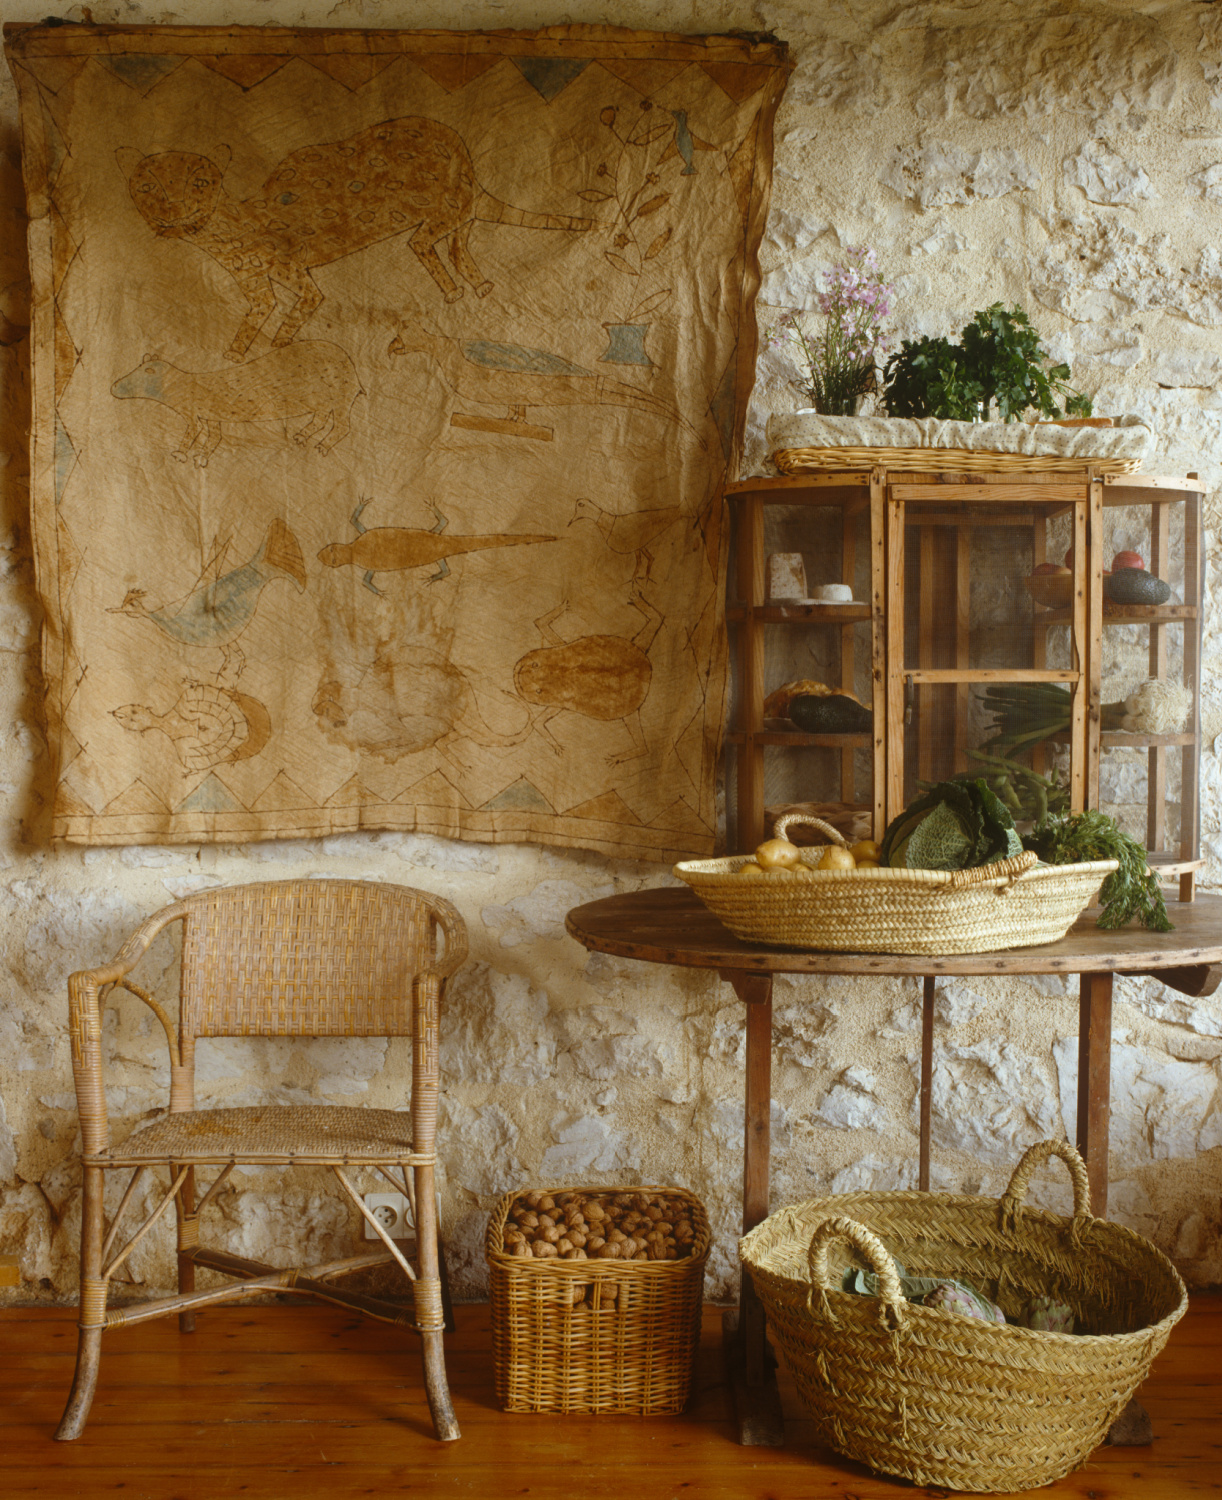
x: 777, y: 854
x: 751, y: 869
x: 866, y: 849
x: 836, y: 858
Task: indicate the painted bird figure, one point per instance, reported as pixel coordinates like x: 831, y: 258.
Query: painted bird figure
x: 218, y: 609
x: 208, y: 726
x: 629, y: 533
x: 515, y: 378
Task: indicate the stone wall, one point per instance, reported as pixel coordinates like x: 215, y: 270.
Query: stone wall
x: 1069, y: 159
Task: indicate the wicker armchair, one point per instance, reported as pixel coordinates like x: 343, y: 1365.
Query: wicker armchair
x: 286, y: 958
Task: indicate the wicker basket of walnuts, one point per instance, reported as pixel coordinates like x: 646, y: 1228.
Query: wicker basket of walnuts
x: 596, y: 1298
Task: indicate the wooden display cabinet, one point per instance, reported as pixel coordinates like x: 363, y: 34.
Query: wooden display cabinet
x: 951, y: 611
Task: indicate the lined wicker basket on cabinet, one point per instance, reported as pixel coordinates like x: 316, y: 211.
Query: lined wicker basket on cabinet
x: 628, y: 1344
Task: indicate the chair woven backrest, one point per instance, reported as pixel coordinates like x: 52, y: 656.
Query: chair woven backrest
x: 303, y: 958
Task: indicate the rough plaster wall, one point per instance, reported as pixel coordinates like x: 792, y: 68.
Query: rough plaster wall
x: 1071, y: 162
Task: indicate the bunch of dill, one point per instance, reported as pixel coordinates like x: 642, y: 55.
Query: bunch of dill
x: 1131, y: 891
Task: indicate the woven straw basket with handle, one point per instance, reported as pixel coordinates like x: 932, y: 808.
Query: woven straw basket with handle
x: 1014, y: 903
x: 944, y: 1399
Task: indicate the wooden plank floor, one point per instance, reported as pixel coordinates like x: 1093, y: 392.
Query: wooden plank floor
x: 291, y: 1403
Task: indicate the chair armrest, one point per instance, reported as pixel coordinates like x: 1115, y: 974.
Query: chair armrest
x: 85, y: 988
x: 454, y: 931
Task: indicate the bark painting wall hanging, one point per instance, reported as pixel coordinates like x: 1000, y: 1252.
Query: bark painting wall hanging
x: 385, y: 385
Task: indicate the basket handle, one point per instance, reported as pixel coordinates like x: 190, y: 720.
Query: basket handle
x: 1015, y: 866
x: 784, y: 823
x: 869, y: 1245
x: 1010, y: 1204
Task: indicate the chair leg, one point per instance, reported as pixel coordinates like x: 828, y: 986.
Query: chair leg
x: 429, y: 1316
x: 437, y: 1388
x: 92, y: 1314
x: 188, y: 1238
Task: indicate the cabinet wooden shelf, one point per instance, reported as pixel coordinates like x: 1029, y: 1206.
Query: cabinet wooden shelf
x: 796, y: 738
x: 932, y: 646
x: 799, y: 614
x: 1140, y: 614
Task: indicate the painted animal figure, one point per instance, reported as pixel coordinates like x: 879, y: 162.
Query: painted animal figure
x: 410, y: 176
x: 393, y: 549
x: 604, y: 677
x: 510, y: 376
x: 208, y: 726
x: 401, y: 698
x: 218, y: 610
x: 312, y: 379
x: 630, y: 533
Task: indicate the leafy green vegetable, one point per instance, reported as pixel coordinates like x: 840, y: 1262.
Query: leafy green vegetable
x: 1029, y: 796
x: 1128, y: 892
x: 939, y: 842
x: 968, y: 826
x: 999, y: 361
x: 1025, y: 713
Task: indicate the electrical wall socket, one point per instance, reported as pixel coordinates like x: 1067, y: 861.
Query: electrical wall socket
x: 391, y: 1212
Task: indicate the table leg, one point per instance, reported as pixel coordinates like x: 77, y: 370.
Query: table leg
x: 1132, y: 1427
x: 758, y: 1405
x: 1095, y: 1082
x: 927, y: 999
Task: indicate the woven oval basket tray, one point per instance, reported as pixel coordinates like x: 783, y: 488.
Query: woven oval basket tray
x: 940, y: 1398
x: 1015, y: 903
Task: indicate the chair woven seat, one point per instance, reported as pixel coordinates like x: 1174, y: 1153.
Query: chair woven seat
x: 272, y: 1135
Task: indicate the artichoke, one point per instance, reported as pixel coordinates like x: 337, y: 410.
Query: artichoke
x: 1047, y: 1315
x: 954, y: 1297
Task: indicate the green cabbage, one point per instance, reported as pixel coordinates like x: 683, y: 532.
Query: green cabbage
x: 956, y: 825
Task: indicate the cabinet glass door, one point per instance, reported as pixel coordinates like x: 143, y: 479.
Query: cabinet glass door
x: 987, y: 651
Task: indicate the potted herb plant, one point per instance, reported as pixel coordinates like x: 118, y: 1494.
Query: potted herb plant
x: 838, y: 362
x: 999, y: 363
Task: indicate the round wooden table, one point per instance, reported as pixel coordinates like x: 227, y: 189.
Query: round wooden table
x: 671, y: 926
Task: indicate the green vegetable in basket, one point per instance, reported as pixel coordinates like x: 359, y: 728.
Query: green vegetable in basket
x: 1029, y: 796
x: 954, y: 1297
x: 1047, y: 1315
x: 947, y: 1292
x: 1131, y: 891
x: 956, y: 825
